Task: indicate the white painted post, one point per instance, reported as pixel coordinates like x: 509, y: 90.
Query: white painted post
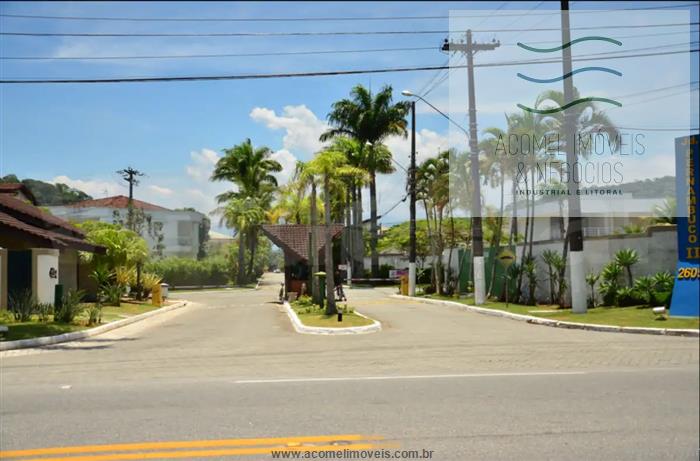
x: 411, y: 279
x: 577, y: 269
x: 479, y: 281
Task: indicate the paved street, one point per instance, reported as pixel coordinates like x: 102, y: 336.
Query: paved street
x: 464, y: 385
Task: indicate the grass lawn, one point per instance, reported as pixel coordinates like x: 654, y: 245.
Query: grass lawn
x: 635, y: 316
x: 317, y: 318
x: 36, y: 329
x: 26, y: 330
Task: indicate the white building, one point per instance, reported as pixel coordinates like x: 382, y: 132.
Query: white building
x: 179, y: 229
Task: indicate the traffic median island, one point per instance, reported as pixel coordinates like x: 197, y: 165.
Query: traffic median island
x: 309, y: 318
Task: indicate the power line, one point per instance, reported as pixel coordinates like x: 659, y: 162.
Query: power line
x: 306, y: 19
x: 224, y: 55
x: 324, y: 33
x: 270, y: 53
x: 323, y: 73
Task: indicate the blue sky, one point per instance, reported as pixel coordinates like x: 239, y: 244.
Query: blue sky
x: 82, y: 134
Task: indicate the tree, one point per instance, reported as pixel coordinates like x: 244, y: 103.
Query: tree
x: 330, y: 165
x: 626, y: 258
x: 124, y: 247
x: 251, y: 170
x: 241, y: 214
x: 369, y: 119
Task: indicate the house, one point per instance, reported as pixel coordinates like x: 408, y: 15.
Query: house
x: 218, y: 242
x: 295, y: 242
x: 37, y: 250
x: 168, y: 232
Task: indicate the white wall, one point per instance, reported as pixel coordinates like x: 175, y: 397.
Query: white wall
x: 176, y: 243
x: 43, y: 285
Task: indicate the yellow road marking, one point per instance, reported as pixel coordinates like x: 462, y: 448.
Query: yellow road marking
x: 185, y: 444
x: 204, y: 453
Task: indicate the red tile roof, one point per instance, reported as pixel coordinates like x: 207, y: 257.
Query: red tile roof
x: 34, y: 216
x: 47, y: 237
x: 117, y: 201
x: 15, y: 187
x: 294, y: 238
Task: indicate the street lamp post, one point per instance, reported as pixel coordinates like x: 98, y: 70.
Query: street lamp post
x: 412, y: 185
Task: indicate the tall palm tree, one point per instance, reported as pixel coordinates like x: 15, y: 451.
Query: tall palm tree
x: 369, y: 119
x: 251, y: 170
x: 241, y: 213
x: 329, y: 165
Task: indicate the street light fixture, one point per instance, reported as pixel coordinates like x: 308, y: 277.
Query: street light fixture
x: 477, y: 235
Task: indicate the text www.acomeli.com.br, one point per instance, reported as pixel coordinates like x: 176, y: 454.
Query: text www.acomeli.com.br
x: 353, y: 454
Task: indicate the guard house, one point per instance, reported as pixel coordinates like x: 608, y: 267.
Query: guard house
x: 37, y: 250
x: 294, y: 240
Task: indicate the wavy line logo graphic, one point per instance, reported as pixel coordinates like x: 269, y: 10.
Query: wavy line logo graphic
x: 553, y: 110
x: 574, y: 72
x: 572, y: 42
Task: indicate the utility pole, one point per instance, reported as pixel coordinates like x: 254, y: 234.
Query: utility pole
x: 470, y: 49
x: 412, y: 207
x: 131, y: 176
x: 574, y: 232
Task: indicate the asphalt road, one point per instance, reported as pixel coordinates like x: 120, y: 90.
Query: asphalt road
x: 464, y: 385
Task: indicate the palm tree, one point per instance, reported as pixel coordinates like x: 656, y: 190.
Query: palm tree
x: 369, y: 119
x: 588, y: 119
x: 251, y: 170
x: 329, y: 165
x: 626, y: 258
x: 241, y: 214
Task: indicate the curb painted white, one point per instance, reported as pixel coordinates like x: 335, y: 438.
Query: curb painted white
x: 78, y: 335
x: 305, y: 329
x: 557, y: 323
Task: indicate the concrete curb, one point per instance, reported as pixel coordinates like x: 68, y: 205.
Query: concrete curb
x: 78, y: 335
x: 557, y: 323
x: 307, y: 330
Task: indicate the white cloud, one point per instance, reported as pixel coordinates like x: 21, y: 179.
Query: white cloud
x: 428, y: 144
x: 160, y: 190
x: 288, y: 162
x: 203, y: 163
x: 94, y: 187
x: 302, y: 127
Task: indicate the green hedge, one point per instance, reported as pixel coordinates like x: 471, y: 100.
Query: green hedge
x: 186, y: 272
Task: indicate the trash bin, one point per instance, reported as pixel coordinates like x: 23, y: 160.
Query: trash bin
x: 321, y: 276
x: 164, y: 290
x: 58, y: 297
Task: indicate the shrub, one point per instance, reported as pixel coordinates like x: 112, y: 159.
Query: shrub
x: 384, y: 270
x: 125, y: 276
x: 6, y: 317
x: 611, y: 283
x: 22, y: 305
x: 70, y: 307
x: 95, y: 313
x: 591, y: 280
x: 112, y: 294
x: 645, y: 287
x: 149, y: 280
x: 626, y: 296
x: 187, y: 272
x: 44, y: 311
x: 626, y: 258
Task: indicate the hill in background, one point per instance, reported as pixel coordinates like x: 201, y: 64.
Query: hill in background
x: 48, y: 194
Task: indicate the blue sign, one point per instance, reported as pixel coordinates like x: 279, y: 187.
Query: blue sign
x: 686, y: 290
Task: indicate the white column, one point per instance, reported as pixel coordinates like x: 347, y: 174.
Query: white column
x: 349, y: 272
x: 479, y: 281
x: 411, y: 279
x: 577, y: 270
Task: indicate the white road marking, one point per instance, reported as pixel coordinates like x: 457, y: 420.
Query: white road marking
x: 386, y: 378
x: 66, y: 386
